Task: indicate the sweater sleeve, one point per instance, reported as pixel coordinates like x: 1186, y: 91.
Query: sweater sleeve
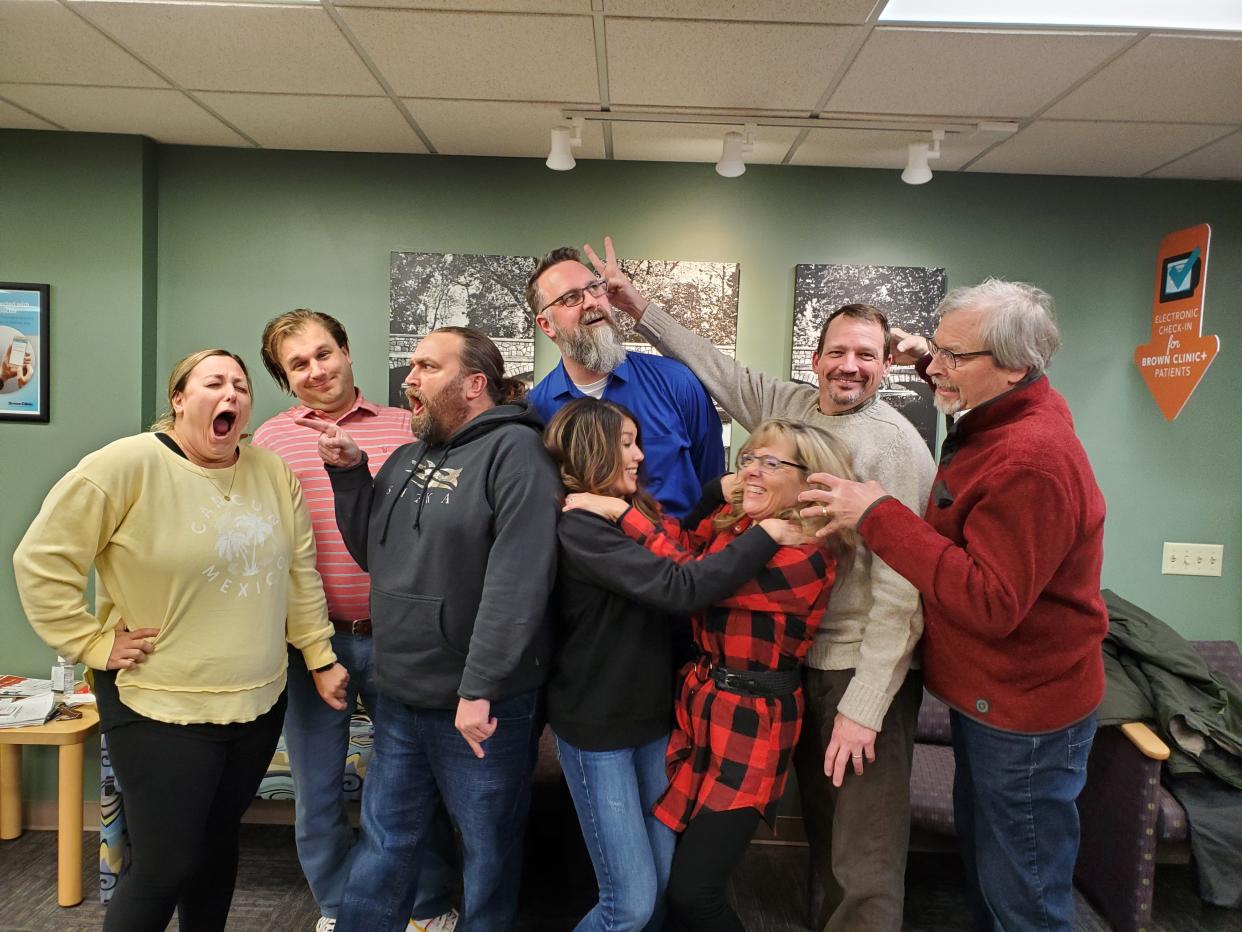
x: 894, y: 619
x: 988, y: 585
x: 524, y: 493
x: 750, y: 397
x: 610, y: 560
x: 352, y: 491
x: 51, y: 564
x: 307, y: 627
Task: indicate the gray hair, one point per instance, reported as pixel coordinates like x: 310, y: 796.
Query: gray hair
x: 1020, y: 328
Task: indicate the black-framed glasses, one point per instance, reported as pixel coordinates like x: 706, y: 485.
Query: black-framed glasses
x: 769, y: 464
x: 952, y: 359
x: 575, y: 296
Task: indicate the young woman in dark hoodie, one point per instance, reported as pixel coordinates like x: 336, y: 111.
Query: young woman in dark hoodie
x: 610, y: 697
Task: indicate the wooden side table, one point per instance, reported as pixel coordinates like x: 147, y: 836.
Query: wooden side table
x: 69, y: 736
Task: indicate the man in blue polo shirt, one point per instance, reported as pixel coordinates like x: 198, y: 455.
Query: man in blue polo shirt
x: 681, y: 435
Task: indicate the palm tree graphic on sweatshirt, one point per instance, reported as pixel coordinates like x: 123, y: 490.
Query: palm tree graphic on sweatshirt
x: 241, y: 536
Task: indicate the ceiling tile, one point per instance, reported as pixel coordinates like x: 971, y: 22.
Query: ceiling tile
x: 694, y: 142
x: 287, y: 49
x: 1221, y: 161
x: 480, y: 56
x: 12, y: 117
x: 1054, y: 147
x: 967, y: 72
x: 1181, y: 79
x: 480, y: 6
x: 676, y: 63
x: 864, y: 148
x: 844, y: 12
x: 492, y: 127
x: 164, y: 115
x: 41, y: 41
x: 347, y: 124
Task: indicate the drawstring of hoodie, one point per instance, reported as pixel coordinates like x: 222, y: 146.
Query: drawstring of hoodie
x: 422, y: 495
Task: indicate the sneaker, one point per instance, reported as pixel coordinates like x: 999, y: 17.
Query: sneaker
x: 325, y: 924
x: 445, y: 923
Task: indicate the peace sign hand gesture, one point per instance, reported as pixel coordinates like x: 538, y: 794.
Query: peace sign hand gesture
x: 336, y: 447
x: 621, y: 291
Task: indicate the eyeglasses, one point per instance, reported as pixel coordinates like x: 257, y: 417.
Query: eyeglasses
x: 952, y: 359
x: 769, y: 464
x: 575, y: 296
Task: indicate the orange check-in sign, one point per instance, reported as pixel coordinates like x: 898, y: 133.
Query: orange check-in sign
x: 1177, y: 357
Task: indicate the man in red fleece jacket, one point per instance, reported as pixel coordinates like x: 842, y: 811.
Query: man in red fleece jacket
x: 1007, y: 559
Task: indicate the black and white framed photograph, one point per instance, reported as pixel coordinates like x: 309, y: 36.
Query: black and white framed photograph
x: 24, y: 376
x: 908, y: 296
x: 430, y: 290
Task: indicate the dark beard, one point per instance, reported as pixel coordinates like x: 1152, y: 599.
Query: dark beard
x: 442, y: 414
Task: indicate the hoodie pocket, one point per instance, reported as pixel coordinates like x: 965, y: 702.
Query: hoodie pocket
x: 411, y: 625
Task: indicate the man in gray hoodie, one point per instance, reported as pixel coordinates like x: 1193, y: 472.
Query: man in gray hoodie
x: 458, y: 532
x: 862, y: 694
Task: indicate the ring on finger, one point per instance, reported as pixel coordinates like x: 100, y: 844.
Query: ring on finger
x: 823, y: 509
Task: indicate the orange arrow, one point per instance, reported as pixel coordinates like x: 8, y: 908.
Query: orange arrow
x: 1178, y: 355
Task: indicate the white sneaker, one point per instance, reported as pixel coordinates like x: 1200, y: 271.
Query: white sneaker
x: 325, y: 924
x: 445, y: 923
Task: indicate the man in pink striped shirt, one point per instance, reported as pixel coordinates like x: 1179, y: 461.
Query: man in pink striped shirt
x: 307, y: 353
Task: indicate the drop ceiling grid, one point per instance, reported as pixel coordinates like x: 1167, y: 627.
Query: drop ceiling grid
x: 676, y: 63
x: 166, y: 115
x: 1122, y: 150
x: 1173, y: 78
x: 351, y: 124
x: 1221, y: 160
x: 876, y: 149
x: 478, y: 55
x: 212, y: 47
x: 977, y: 73
x: 13, y: 116
x: 493, y: 127
x: 830, y: 12
x: 42, y: 42
x: 683, y: 142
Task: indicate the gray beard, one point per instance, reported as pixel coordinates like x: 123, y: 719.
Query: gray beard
x: 595, y: 348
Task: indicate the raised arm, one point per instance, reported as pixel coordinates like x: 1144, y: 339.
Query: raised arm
x: 612, y: 561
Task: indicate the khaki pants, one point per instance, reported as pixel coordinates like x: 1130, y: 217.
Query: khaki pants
x: 858, y: 833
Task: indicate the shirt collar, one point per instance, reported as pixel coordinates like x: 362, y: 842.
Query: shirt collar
x: 360, y: 404
x: 563, y: 386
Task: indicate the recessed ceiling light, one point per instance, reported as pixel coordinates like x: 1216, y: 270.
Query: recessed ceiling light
x: 1216, y: 15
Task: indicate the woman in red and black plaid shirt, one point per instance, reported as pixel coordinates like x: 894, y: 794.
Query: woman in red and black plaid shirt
x: 740, y: 706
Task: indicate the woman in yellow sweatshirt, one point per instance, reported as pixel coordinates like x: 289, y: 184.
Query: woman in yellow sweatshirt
x: 206, y: 568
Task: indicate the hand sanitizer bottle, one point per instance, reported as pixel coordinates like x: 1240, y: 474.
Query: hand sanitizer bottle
x: 62, y: 676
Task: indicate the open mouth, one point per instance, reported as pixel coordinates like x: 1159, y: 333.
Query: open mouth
x: 416, y: 404
x: 223, y: 423
x: 594, y: 317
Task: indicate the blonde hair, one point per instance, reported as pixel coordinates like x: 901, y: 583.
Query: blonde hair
x: 818, y: 451
x: 181, y: 374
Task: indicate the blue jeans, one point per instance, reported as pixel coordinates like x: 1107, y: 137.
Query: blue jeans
x: 317, y: 739
x: 420, y: 759
x: 1017, y: 822
x: 631, y: 849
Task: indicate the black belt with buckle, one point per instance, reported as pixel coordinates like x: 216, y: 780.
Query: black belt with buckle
x: 767, y: 684
x: 359, y: 627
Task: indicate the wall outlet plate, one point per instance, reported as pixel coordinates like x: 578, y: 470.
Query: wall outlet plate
x: 1192, y: 559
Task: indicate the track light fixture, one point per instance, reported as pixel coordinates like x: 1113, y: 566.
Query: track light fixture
x: 917, y: 170
x: 736, y: 146
x: 564, y: 138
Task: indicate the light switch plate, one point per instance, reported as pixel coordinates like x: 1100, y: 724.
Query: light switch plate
x: 1192, y: 559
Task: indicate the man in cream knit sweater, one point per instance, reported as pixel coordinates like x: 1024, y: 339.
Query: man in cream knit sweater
x: 862, y: 693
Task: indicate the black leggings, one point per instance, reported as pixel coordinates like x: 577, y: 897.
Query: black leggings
x: 185, y: 788
x: 710, y: 848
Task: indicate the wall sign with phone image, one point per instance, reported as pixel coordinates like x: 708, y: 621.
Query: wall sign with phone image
x: 24, y: 377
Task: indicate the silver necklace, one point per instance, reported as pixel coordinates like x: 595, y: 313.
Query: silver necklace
x: 228, y: 496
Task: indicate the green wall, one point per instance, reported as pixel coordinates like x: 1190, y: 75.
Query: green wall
x: 72, y: 214
x: 243, y: 235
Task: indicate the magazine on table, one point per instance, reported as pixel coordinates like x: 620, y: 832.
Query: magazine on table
x: 24, y: 701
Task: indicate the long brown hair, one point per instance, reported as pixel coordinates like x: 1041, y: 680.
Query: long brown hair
x: 479, y: 354
x: 818, y: 452
x: 584, y: 438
